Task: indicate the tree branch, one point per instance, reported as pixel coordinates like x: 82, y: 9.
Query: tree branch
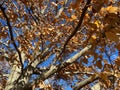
x: 11, y: 35
x: 90, y: 80
x: 85, y: 82
x: 77, y: 27
x: 53, y: 69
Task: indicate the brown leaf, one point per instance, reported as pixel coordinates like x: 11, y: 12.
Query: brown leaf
x: 106, y: 1
x: 118, y: 46
x: 97, y: 5
x: 105, y: 79
x: 112, y: 9
x: 85, y: 61
x: 111, y: 36
x: 98, y: 64
x: 117, y: 61
x: 92, y: 25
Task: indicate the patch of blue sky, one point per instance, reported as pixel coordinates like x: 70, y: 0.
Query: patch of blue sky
x: 3, y: 22
x: 90, y: 61
x: 47, y: 62
x: 33, y: 77
x: 114, y: 55
x: 111, y: 56
x: 64, y: 84
x: 47, y: 42
x: 25, y: 64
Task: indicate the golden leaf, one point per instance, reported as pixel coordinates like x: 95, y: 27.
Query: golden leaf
x: 50, y: 29
x: 73, y: 17
x: 112, y: 9
x: 97, y: 23
x: 92, y: 38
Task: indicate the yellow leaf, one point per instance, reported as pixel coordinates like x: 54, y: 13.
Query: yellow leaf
x: 112, y: 9
x: 97, y: 23
x: 93, y: 37
x: 73, y: 17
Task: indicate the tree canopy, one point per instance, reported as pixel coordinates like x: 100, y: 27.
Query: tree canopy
x: 59, y: 44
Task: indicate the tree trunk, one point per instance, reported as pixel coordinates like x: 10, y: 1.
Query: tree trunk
x: 15, y: 73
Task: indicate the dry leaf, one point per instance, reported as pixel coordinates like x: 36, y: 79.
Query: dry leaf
x: 85, y: 61
x: 112, y: 9
x: 73, y: 17
x: 99, y: 64
x: 111, y: 36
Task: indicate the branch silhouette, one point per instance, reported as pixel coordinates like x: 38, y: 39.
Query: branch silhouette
x: 77, y: 27
x: 11, y: 36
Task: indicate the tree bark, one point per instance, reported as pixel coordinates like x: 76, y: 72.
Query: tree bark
x: 15, y: 73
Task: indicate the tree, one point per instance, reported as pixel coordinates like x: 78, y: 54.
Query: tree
x: 45, y: 41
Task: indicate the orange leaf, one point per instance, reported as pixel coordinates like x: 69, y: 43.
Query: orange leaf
x: 111, y: 36
x: 85, y: 61
x: 112, y: 9
x: 93, y: 37
x: 117, y: 62
x: 118, y: 46
x: 105, y: 79
x: 73, y: 17
x: 99, y: 64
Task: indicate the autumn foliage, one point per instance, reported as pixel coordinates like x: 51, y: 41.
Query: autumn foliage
x: 59, y: 44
